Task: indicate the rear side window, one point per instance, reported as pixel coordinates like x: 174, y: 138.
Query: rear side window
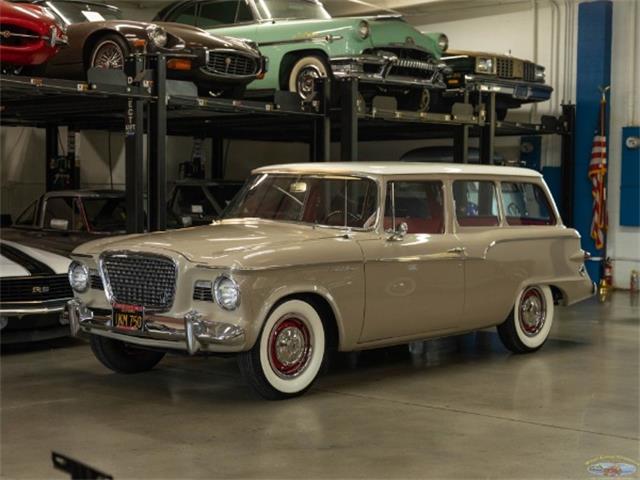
x: 419, y: 204
x: 28, y: 217
x: 526, y: 204
x: 476, y: 203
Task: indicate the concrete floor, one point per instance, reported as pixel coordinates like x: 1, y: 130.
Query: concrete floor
x: 464, y: 409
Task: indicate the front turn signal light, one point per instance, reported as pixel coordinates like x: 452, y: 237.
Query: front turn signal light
x: 179, y: 64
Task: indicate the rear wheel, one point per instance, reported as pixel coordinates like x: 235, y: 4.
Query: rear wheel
x: 528, y: 325
x: 123, y: 358
x: 303, y: 75
x: 109, y: 52
x: 289, y: 353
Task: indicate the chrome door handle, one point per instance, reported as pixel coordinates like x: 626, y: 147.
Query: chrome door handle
x: 458, y: 250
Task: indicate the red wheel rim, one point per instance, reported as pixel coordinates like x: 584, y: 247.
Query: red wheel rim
x: 532, y: 311
x: 289, y: 347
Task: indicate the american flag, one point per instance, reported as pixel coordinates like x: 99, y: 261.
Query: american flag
x: 598, y: 175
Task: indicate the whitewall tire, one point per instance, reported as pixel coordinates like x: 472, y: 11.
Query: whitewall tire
x: 289, y: 353
x: 528, y: 325
x: 303, y: 75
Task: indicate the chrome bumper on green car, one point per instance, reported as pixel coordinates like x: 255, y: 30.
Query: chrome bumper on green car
x: 389, y: 70
x: 198, y: 333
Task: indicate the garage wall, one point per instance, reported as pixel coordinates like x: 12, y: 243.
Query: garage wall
x: 624, y: 242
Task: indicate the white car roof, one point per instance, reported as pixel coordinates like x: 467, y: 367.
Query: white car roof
x: 397, y: 168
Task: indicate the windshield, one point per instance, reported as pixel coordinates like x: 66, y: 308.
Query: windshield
x: 106, y: 214
x: 291, y: 9
x: 319, y: 200
x: 79, y: 12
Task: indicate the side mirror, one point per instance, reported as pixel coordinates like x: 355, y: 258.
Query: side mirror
x: 59, y: 224
x: 399, y: 233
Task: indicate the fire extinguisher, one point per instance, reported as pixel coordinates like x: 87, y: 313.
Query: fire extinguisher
x: 608, y: 271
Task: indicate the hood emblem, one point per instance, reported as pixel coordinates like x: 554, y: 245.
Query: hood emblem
x: 410, y: 41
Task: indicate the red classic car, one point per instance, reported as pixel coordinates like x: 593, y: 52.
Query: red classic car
x: 28, y: 35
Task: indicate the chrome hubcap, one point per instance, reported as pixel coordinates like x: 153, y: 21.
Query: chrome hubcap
x: 533, y: 311
x: 289, y: 347
x: 109, y: 55
x: 306, y: 81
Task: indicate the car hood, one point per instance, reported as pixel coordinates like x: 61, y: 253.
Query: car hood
x: 19, y: 260
x: 229, y: 243
x: 194, y: 37
x: 385, y: 31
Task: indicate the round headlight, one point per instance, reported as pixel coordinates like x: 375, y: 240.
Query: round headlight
x: 157, y: 35
x: 226, y: 292
x: 364, y: 30
x: 443, y: 42
x: 78, y: 277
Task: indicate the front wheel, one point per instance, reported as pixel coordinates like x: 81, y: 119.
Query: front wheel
x: 123, y: 358
x: 527, y: 326
x: 109, y: 52
x: 289, y: 353
x: 303, y: 76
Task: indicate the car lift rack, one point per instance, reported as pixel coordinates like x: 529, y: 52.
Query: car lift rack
x: 140, y: 100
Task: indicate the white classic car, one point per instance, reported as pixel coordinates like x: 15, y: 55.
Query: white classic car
x: 310, y: 258
x: 34, y: 291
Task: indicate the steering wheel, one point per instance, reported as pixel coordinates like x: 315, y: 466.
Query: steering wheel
x: 350, y: 215
x: 514, y: 210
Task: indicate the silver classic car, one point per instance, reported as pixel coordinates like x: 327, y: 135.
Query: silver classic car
x: 313, y: 258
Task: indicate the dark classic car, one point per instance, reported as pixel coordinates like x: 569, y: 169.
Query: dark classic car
x: 200, y: 202
x: 99, y: 37
x: 28, y: 35
x: 60, y: 221
x: 34, y: 291
x: 515, y: 81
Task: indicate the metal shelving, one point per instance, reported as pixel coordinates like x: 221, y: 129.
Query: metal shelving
x: 142, y: 101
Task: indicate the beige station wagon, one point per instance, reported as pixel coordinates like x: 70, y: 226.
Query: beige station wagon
x: 313, y: 258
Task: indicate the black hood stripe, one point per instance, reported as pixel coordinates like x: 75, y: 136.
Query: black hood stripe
x: 33, y: 266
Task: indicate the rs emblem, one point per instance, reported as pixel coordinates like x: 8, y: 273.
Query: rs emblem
x: 43, y: 289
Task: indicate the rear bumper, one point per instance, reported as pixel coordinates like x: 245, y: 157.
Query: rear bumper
x: 515, y: 89
x: 199, y: 334
x: 378, y: 69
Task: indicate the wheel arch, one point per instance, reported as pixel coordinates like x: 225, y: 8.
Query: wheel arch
x: 289, y: 59
x: 92, y: 39
x: 319, y: 298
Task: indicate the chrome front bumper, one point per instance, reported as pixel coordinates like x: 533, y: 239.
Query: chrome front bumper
x: 198, y: 335
x: 382, y: 66
x: 38, y: 308
x: 517, y: 89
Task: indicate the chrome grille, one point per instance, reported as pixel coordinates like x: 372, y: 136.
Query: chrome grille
x: 35, y: 289
x: 529, y: 72
x: 504, y: 67
x: 202, y: 294
x: 95, y: 281
x: 230, y: 63
x: 141, y: 279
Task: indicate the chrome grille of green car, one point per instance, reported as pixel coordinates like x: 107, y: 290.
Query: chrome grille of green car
x: 233, y: 64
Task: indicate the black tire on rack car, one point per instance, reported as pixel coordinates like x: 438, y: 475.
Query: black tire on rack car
x: 109, y: 51
x: 123, y: 358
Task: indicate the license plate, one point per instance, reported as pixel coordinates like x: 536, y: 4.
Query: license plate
x: 521, y: 92
x: 128, y: 317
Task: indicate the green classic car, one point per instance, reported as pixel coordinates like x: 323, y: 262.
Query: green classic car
x: 304, y: 43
